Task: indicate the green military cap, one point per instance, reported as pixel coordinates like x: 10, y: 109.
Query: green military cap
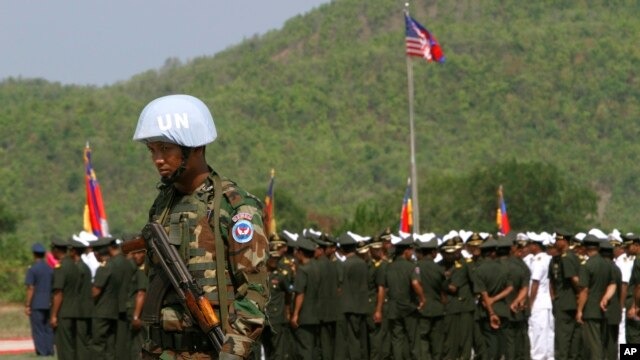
x: 385, y: 235
x: 607, y: 245
x: 347, y: 239
x: 475, y: 239
x: 376, y: 243
x: 102, y: 242
x: 77, y: 244
x: 315, y: 236
x: 629, y: 238
x: 511, y: 237
x: 329, y: 238
x: 562, y: 234
x: 592, y: 240
x: 306, y: 244
x: 489, y: 244
x: 290, y: 238
x: 362, y: 247
x: 615, y: 238
x: 59, y: 242
x: 426, y: 241
x: 504, y: 241
x: 448, y: 245
x: 398, y: 241
x: 275, y: 240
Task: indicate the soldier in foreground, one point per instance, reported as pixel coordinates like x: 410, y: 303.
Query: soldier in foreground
x: 217, y: 229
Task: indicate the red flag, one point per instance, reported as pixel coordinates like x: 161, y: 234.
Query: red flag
x: 269, y: 216
x: 406, y: 215
x: 95, y: 219
x: 501, y: 214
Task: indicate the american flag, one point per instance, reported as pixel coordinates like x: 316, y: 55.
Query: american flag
x: 420, y: 42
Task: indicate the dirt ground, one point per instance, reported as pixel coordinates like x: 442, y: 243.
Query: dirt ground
x: 13, y: 321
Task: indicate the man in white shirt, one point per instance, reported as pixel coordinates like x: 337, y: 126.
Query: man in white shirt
x: 624, y: 257
x: 541, y: 326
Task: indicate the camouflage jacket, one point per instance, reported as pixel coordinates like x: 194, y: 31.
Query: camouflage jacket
x: 189, y: 224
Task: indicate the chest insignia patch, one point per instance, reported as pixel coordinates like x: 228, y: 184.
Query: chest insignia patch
x: 242, y: 231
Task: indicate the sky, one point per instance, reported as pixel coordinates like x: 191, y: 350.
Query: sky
x: 101, y: 42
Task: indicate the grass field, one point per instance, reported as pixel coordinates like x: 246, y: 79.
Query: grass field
x: 15, y: 324
x: 13, y: 321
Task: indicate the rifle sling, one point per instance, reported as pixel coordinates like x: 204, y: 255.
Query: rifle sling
x: 220, y: 275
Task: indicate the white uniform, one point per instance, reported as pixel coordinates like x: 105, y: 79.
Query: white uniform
x: 541, y: 326
x: 625, y: 263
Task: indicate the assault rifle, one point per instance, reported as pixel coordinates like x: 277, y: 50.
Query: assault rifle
x: 188, y: 290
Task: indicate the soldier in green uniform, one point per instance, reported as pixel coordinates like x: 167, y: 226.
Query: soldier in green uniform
x: 430, y: 323
x: 84, y: 301
x: 472, y: 245
x: 354, y: 297
x: 217, y: 229
x: 304, y: 319
x: 123, y: 270
x: 277, y: 309
x: 137, y: 291
x: 406, y: 298
x: 613, y: 308
x: 378, y: 322
x: 328, y: 296
x: 597, y: 286
x: 105, y: 291
x: 516, y: 327
x: 64, y: 303
x: 491, y: 281
x: 564, y: 272
x: 460, y: 305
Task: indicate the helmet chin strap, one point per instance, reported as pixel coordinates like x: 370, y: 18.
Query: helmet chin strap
x: 186, y: 151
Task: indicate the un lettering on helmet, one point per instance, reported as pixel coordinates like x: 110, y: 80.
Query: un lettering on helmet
x: 179, y: 119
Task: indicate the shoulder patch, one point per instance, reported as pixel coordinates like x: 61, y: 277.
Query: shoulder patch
x: 242, y: 231
x: 241, y: 216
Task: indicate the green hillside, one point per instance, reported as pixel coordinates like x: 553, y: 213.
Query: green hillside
x: 324, y: 101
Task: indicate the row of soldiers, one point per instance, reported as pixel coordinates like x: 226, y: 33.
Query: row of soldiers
x: 95, y: 313
x: 461, y: 296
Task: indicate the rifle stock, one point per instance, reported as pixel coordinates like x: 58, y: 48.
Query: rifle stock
x: 133, y: 245
x: 183, y: 283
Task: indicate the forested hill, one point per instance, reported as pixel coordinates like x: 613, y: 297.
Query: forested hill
x: 324, y: 101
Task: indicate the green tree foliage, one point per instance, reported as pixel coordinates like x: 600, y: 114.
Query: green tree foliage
x: 15, y: 256
x: 538, y: 198
x: 323, y: 100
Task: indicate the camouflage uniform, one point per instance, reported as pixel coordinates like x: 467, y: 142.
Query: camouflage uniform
x: 188, y: 220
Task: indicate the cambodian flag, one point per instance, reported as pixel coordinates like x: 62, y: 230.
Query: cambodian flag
x: 501, y: 214
x: 95, y: 219
x: 406, y: 216
x: 420, y: 42
x: 269, y: 218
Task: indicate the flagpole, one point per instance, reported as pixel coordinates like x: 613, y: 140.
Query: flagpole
x: 414, y: 174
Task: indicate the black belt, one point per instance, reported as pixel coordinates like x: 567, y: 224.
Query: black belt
x: 192, y: 340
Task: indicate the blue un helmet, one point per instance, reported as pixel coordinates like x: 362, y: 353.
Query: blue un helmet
x: 178, y: 119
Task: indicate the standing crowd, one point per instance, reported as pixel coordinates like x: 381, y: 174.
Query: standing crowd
x: 90, y: 303
x: 463, y: 295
